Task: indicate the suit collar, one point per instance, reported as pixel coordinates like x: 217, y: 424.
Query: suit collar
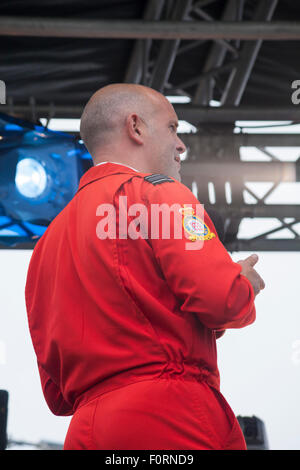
x: 100, y: 171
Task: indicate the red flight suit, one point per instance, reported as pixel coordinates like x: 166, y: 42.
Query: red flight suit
x: 125, y: 329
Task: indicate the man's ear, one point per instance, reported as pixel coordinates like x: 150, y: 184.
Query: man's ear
x: 135, y: 128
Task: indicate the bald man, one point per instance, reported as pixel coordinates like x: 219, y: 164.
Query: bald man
x: 124, y: 312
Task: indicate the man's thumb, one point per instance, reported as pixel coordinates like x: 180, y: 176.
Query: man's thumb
x: 252, y: 260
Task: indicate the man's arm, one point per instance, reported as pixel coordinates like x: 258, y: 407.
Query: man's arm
x: 53, y: 396
x: 205, y: 281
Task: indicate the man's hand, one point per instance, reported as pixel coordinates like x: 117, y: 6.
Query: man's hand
x: 250, y: 273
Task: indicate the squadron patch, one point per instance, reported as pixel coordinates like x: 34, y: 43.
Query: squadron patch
x: 194, y: 226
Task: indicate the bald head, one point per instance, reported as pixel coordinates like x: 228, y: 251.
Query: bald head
x: 133, y: 125
x: 104, y: 116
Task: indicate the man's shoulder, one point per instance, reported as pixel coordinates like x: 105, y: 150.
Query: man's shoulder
x: 157, y: 186
x: 161, y: 183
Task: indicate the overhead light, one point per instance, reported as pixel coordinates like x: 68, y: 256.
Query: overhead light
x: 64, y: 125
x: 31, y: 178
x: 40, y: 171
x: 179, y: 99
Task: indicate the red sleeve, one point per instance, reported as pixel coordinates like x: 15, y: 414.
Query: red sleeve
x: 201, y: 274
x: 53, y: 395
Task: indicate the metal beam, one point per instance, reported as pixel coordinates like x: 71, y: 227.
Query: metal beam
x: 241, y: 171
x: 136, y: 72
x: 167, y: 53
x: 279, y: 244
x: 251, y: 211
x: 206, y: 76
x: 215, y: 57
x: 188, y: 112
x: 138, y: 29
x: 240, y: 74
x: 198, y: 143
x: 198, y: 114
x: 226, y: 44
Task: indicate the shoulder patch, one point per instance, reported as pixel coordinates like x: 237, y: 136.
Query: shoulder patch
x: 158, y: 179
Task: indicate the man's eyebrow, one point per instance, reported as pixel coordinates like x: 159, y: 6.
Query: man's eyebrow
x: 173, y: 121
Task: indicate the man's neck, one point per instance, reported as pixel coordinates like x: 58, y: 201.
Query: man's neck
x: 117, y: 163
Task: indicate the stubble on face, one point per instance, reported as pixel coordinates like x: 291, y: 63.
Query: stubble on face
x: 165, y: 155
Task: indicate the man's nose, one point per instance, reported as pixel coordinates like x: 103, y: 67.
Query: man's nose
x: 180, y: 147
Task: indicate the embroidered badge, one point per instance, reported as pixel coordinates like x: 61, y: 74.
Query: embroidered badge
x: 194, y: 226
